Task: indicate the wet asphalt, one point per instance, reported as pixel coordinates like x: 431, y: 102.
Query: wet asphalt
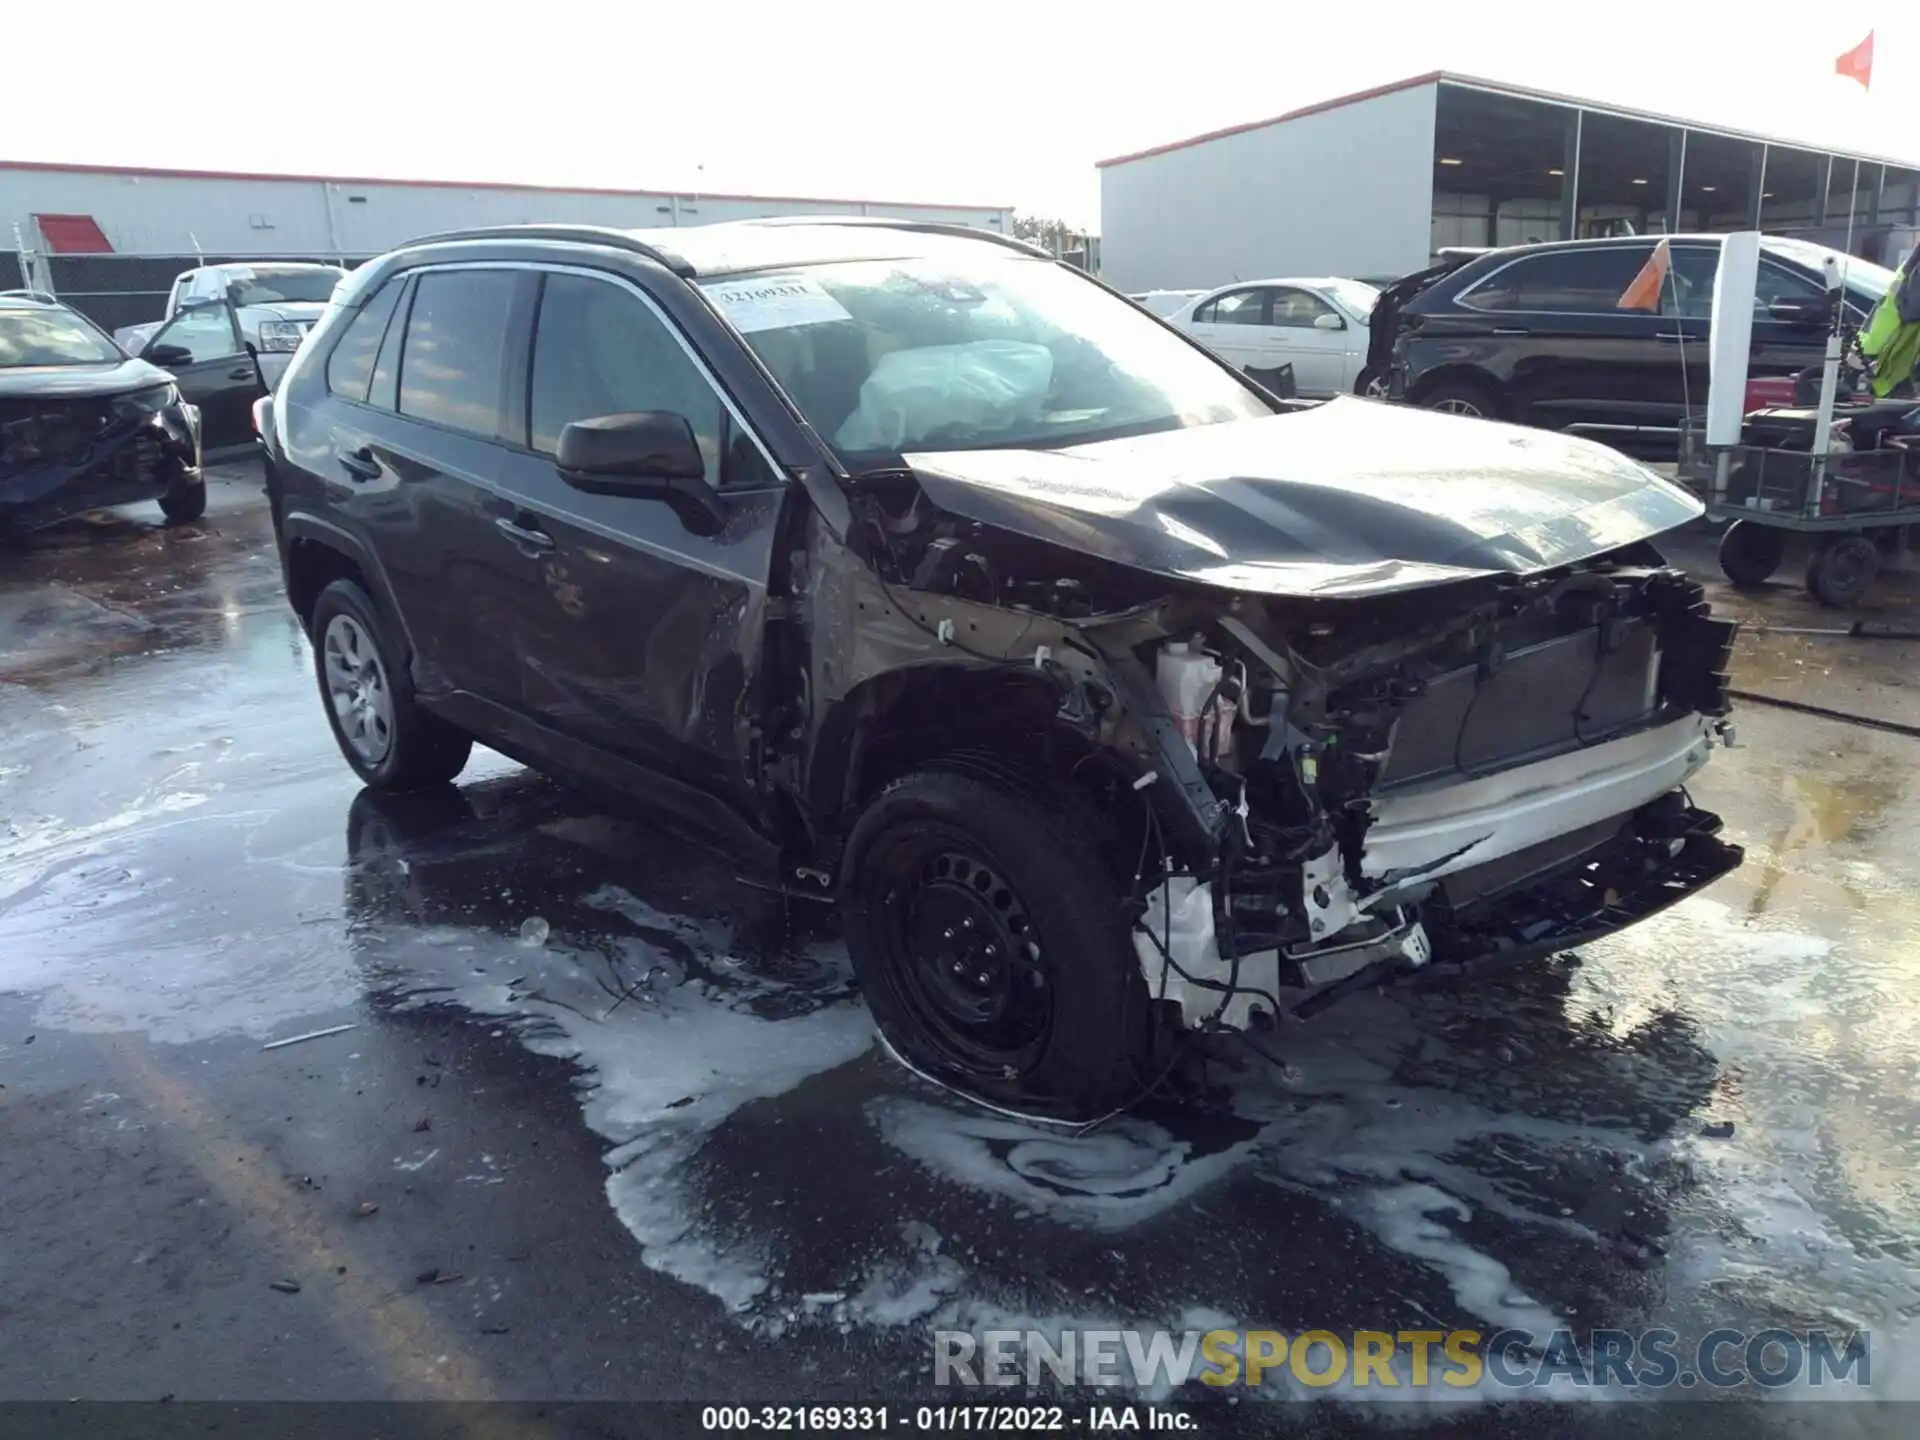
x: 609, y: 1123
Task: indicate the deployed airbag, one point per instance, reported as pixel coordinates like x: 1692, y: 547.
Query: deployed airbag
x: 949, y: 393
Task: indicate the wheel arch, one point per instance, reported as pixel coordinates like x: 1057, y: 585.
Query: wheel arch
x: 315, y: 553
x: 906, y: 719
x: 1462, y: 373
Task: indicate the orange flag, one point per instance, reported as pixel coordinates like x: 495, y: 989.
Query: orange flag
x: 1857, y: 63
x: 1643, y: 292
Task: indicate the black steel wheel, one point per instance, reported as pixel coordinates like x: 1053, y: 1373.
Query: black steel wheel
x: 1750, y: 553
x: 963, y: 949
x: 990, y: 941
x: 1842, y: 569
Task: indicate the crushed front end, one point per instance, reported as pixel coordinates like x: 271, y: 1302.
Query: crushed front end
x: 1432, y: 778
x: 63, y: 455
x: 1311, y: 793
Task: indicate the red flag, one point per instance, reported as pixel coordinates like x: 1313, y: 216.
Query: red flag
x: 1643, y: 291
x: 1857, y: 63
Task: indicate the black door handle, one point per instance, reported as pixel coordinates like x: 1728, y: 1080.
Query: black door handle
x: 529, y: 539
x: 241, y: 372
x: 360, y: 463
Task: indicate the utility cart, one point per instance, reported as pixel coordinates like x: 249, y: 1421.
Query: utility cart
x: 1858, y: 501
x: 1833, y: 464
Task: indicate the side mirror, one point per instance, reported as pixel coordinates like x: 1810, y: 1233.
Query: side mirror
x: 1801, y: 312
x: 644, y: 455
x: 167, y: 355
x: 1329, y: 322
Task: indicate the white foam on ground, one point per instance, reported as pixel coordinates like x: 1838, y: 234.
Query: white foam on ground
x: 660, y: 1067
x: 1120, y: 1176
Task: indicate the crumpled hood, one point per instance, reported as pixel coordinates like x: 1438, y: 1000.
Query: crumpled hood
x: 1349, y: 498
x: 61, y: 382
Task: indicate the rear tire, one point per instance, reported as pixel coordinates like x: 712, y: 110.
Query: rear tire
x: 1463, y: 397
x: 391, y: 743
x: 992, y: 944
x: 1842, y: 569
x: 1750, y: 553
x: 184, y: 502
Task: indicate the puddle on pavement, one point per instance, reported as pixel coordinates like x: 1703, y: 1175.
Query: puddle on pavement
x: 1526, y: 1155
x: 1523, y: 1154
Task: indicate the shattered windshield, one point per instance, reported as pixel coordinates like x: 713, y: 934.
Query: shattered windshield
x: 970, y: 352
x: 51, y: 337
x: 280, y: 287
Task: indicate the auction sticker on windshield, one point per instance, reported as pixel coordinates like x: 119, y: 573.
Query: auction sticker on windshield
x: 779, y: 304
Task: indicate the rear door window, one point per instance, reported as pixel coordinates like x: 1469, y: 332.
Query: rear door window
x: 453, y: 366
x: 1688, y: 292
x: 350, y: 365
x: 1562, y: 282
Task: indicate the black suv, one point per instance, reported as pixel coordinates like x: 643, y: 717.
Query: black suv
x: 1536, y: 334
x: 1111, y: 697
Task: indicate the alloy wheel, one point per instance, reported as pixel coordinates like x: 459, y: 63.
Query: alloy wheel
x: 357, y: 688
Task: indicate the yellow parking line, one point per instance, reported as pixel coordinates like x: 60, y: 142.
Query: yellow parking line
x: 398, y: 1333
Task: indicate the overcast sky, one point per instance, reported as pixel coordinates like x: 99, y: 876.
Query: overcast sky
x: 982, y: 103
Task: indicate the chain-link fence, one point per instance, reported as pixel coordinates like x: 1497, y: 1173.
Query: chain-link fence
x: 119, y: 290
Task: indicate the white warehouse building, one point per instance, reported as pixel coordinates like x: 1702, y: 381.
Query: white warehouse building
x: 110, y: 238
x: 1371, y: 185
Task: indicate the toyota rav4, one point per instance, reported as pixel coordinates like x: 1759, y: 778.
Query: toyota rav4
x: 1110, y: 697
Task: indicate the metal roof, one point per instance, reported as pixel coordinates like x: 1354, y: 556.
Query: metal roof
x: 163, y: 173
x: 1501, y: 87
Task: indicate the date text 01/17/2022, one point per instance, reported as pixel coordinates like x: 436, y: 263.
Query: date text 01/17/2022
x: 954, y: 1419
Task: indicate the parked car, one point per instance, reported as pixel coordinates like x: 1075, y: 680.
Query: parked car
x: 1319, y: 327
x: 1109, y: 696
x: 204, y: 350
x: 83, y: 426
x: 1164, y: 302
x: 1536, y: 333
x: 274, y: 303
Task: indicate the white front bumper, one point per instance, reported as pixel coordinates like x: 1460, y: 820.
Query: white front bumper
x: 1430, y: 831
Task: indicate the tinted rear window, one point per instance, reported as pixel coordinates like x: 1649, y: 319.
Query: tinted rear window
x: 1561, y: 281
x: 452, y: 367
x: 350, y: 365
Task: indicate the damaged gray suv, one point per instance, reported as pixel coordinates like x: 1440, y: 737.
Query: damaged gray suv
x: 1110, y: 697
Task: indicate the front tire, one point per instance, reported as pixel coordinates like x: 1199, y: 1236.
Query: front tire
x: 184, y: 501
x: 990, y: 939
x: 391, y: 743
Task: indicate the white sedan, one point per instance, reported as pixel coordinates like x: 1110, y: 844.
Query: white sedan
x: 1317, y: 326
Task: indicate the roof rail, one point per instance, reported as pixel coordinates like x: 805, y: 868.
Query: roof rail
x: 46, y: 296
x: 578, y: 234
x: 928, y: 227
